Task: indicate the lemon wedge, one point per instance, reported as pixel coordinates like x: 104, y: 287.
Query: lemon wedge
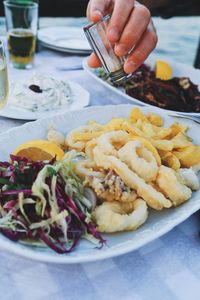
x: 163, y: 70
x: 39, y: 150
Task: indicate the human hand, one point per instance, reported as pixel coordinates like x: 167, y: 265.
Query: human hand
x: 130, y: 29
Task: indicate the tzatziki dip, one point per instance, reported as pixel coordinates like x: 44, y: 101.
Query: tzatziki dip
x: 40, y: 93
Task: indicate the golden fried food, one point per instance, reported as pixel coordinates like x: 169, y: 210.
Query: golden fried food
x: 133, y: 157
x: 87, y: 167
x: 77, y: 138
x: 89, y: 148
x: 164, y: 145
x: 76, y: 144
x: 111, y: 188
x: 172, y: 187
x: 155, y: 119
x: 115, y: 216
x: 177, y: 128
x: 109, y: 141
x: 136, y: 114
x: 188, y: 156
x: 181, y: 141
x: 147, y: 144
x: 170, y: 160
x: 153, y: 198
x: 148, y: 130
x: 115, y: 124
x: 139, y: 159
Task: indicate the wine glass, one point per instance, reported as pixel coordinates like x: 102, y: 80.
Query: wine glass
x: 3, y: 77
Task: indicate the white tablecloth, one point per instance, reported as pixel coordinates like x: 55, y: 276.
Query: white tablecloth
x: 167, y: 269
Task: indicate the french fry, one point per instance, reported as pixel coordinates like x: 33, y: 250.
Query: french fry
x: 163, y: 133
x: 132, y: 129
x: 171, y: 161
x: 138, y: 124
x: 136, y: 114
x: 95, y: 125
x: 181, y: 141
x: 86, y: 136
x: 148, y: 129
x: 162, y: 144
x: 163, y: 153
x: 155, y: 119
x: 177, y: 128
x: 188, y: 156
x: 115, y: 124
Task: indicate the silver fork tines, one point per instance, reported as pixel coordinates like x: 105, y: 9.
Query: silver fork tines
x: 196, y: 120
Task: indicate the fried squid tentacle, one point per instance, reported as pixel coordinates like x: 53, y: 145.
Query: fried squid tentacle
x: 154, y: 198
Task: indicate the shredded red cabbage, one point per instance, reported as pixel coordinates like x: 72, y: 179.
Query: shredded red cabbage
x: 35, y: 204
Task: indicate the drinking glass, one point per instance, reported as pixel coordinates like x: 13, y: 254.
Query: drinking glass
x: 21, y: 22
x: 3, y: 77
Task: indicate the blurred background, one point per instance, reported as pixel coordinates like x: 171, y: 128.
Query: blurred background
x: 182, y: 25
x: 77, y: 8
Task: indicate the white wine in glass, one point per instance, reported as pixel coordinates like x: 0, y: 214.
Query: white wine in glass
x: 3, y: 77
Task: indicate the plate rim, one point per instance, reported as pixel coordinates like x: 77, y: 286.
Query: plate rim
x: 82, y: 258
x: 32, y: 116
x: 66, y: 50
x: 60, y: 48
x: 133, y: 100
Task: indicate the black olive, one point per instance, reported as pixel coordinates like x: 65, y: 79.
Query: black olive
x: 35, y: 88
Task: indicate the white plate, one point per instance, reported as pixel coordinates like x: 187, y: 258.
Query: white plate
x: 80, y: 96
x: 179, y: 70
x: 64, y: 39
x: 157, y: 224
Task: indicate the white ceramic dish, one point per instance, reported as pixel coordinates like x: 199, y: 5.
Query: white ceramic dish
x: 80, y: 96
x: 179, y: 70
x: 64, y: 39
x: 157, y: 224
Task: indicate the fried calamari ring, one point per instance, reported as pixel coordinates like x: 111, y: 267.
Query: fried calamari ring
x: 74, y: 144
x: 139, y: 159
x: 109, y: 141
x: 75, y: 139
x: 115, y: 216
x: 87, y: 168
x: 89, y: 148
x: 171, y: 186
x: 154, y: 198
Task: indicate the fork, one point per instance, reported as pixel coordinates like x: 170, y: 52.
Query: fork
x: 70, y: 68
x: 196, y: 120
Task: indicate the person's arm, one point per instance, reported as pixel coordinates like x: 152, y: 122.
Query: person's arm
x: 130, y: 28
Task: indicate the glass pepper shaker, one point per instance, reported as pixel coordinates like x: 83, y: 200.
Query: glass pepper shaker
x: 96, y: 34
